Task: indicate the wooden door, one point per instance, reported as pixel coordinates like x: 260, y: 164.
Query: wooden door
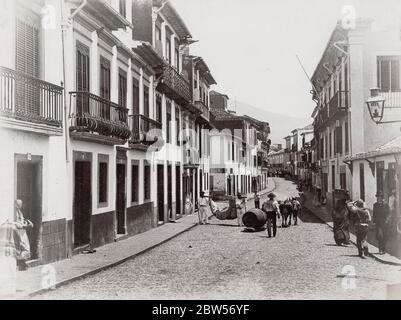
x: 121, y: 198
x: 82, y: 203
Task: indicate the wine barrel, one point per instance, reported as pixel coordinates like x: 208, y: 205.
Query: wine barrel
x: 254, y: 218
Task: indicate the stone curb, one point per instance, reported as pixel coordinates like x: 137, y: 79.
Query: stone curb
x: 374, y: 256
x: 105, y: 267
x: 111, y: 265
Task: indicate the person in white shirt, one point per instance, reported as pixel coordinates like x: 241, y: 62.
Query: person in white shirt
x: 272, y: 211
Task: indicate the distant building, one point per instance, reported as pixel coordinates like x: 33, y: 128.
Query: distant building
x: 239, y: 147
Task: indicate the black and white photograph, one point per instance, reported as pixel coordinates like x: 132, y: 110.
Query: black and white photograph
x: 200, y: 150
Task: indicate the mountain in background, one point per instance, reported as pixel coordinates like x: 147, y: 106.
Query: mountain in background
x: 281, y: 125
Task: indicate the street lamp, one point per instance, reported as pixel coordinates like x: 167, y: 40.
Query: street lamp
x: 376, y: 106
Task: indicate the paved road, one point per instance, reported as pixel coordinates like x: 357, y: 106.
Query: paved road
x: 218, y: 261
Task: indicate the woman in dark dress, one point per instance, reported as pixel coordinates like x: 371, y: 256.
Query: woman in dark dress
x: 341, y: 222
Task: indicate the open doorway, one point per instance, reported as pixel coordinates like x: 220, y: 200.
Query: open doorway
x: 120, y: 198
x: 82, y: 203
x: 170, y: 191
x: 178, y: 190
x: 28, y: 188
x: 160, y: 192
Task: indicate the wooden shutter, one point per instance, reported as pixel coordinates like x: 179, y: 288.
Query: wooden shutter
x: 135, y: 96
x: 82, y: 77
x: 27, y: 62
x: 385, y: 75
x: 104, y: 78
x: 122, y: 88
x: 146, y: 101
x: 339, y: 140
x: 395, y: 75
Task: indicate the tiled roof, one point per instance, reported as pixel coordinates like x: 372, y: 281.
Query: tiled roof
x: 391, y: 147
x: 223, y: 115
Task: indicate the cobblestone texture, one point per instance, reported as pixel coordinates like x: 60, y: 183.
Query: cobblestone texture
x: 219, y: 261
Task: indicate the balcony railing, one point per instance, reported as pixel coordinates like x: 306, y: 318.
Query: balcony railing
x: 174, y: 85
x: 27, y: 98
x: 93, y: 114
x: 392, y: 99
x: 144, y: 130
x: 205, y: 113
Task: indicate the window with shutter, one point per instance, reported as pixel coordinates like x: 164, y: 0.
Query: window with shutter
x: 177, y: 125
x: 159, y: 108
x: 27, y: 62
x: 362, y: 181
x: 122, y: 88
x: 168, y: 46
x: 105, y: 78
x: 330, y: 146
x: 135, y: 96
x: 168, y: 127
x: 388, y: 73
x: 346, y: 138
x: 105, y: 86
x: 339, y: 140
x: 82, y: 77
x: 123, y: 8
x: 146, y: 101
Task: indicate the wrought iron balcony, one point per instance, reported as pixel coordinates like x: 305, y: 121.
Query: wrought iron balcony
x: 174, y: 85
x: 27, y: 98
x: 144, y: 130
x: 204, y: 111
x: 93, y: 114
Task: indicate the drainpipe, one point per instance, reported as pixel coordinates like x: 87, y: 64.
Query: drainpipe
x: 64, y: 25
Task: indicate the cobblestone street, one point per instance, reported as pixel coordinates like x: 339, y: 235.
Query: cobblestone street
x: 218, y: 261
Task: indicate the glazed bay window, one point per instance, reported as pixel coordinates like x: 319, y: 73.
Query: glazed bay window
x: 147, y: 183
x: 103, y: 165
x: 134, y: 181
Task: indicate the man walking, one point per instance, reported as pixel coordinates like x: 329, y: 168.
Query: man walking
x: 257, y: 201
x: 361, y: 218
x: 272, y: 211
x: 381, y: 217
x: 203, y: 207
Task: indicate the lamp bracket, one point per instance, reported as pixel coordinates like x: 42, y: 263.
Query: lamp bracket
x: 372, y: 166
x: 349, y: 165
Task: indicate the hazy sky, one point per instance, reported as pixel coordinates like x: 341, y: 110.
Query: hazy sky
x: 251, y: 45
